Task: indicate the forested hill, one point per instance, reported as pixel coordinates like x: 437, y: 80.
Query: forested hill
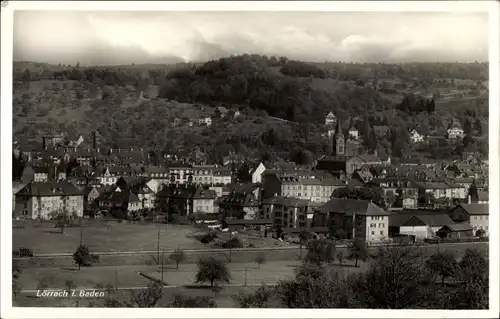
x: 303, y: 92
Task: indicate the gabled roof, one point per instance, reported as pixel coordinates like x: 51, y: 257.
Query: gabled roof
x: 370, y: 158
x: 285, y: 201
x: 202, y: 193
x: 476, y: 209
x: 457, y: 227
x: 435, y: 220
x: 352, y: 206
x: 50, y: 188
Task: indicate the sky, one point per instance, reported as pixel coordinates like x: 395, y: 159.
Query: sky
x: 107, y: 38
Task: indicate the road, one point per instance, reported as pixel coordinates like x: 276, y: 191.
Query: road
x: 217, y: 250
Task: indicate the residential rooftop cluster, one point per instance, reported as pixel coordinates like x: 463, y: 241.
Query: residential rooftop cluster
x: 80, y: 178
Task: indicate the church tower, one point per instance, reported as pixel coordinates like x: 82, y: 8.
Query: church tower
x: 339, y: 144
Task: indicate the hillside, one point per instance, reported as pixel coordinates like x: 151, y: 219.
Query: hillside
x: 79, y: 99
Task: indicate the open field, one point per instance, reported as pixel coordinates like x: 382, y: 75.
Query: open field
x: 122, y: 237
x: 127, y: 276
x: 179, y: 281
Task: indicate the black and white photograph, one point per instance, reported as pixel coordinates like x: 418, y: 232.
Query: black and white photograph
x: 247, y: 158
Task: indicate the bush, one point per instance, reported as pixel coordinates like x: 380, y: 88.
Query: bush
x: 234, y: 242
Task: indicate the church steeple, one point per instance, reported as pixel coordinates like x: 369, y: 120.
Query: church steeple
x: 339, y: 144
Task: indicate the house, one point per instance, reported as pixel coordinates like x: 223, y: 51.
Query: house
x: 356, y: 219
x: 405, y: 191
x: 221, y: 111
x: 220, y: 191
x: 330, y: 119
x: 257, y: 173
x: 211, y: 175
x: 483, y: 197
x: 302, y: 187
x: 91, y: 196
x: 176, y: 199
x: 435, y: 188
x: 455, y: 132
x: 457, y: 191
x: 205, y: 120
x: 477, y: 215
x: 111, y: 174
x: 180, y: 173
x: 415, y: 137
x: 42, y: 199
x: 353, y: 133
x: 203, y: 200
x: 285, y: 212
x: 239, y: 205
x: 35, y: 174
x: 418, y: 224
x: 235, y: 224
x: 120, y: 199
x: 455, y: 231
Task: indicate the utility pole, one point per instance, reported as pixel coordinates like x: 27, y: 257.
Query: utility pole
x: 162, y: 256
x: 246, y: 269
x: 116, y: 279
x: 230, y: 242
x: 158, y: 244
x: 81, y: 232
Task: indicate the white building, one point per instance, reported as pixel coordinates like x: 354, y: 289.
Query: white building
x: 416, y: 137
x: 257, y: 173
x: 455, y: 132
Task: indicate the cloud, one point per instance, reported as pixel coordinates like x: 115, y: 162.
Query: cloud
x: 118, y: 38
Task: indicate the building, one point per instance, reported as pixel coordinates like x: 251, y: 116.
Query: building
x: 356, y: 219
x: 331, y: 119
x: 353, y: 133
x: 477, y: 215
x: 301, y: 187
x: 35, y: 174
x: 239, y: 205
x: 111, y: 174
x: 42, y: 200
x: 416, y: 137
x: 285, y: 212
x: 455, y: 231
x: 211, y: 175
x: 203, y: 200
x: 180, y: 173
x: 205, y: 120
x: 257, y: 173
x: 176, y: 199
x: 455, y: 132
x: 418, y: 224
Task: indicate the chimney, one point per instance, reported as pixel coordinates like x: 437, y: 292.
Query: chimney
x: 469, y: 199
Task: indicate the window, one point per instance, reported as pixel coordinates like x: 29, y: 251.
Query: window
x: 381, y: 225
x: 382, y: 233
x: 373, y: 233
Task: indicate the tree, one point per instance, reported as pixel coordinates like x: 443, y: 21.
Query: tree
x: 390, y: 199
x: 320, y: 251
x: 258, y: 299
x: 145, y: 298
x: 358, y: 251
x: 180, y: 301
x: 314, y: 287
x: 442, y: 264
x: 16, y: 272
x: 212, y: 270
x: 83, y: 257
x: 62, y: 218
x: 340, y: 257
x: 397, y: 279
x: 260, y: 259
x: 178, y: 256
x: 303, y: 237
x: 473, y: 273
x: 18, y: 165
